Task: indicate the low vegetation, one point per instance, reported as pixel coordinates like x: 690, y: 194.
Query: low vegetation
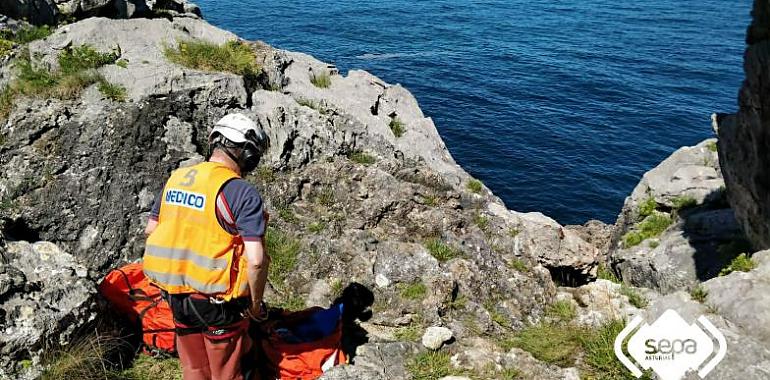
x: 362, y: 158
x: 430, y: 200
x: 146, y: 367
x: 562, y: 310
x: 312, y: 105
x: 634, y: 297
x: 699, y: 294
x: 233, y: 57
x: 518, y: 265
x: 481, y: 221
x: 316, y: 227
x: 441, y: 251
x: 431, y: 365
x: 322, y: 80
x: 409, y: 333
x: 653, y: 225
x: 112, y: 91
x: 606, y: 273
x: 414, y: 291
x: 283, y: 251
x: 712, y: 146
x: 77, y: 70
x: 741, y: 263
x: 565, y: 344
x: 683, y: 202
x: 27, y: 35
x: 647, y: 207
x: 474, y: 186
x: 397, y: 127
x: 5, y: 47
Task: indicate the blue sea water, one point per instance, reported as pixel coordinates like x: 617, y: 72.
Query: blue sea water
x: 557, y: 106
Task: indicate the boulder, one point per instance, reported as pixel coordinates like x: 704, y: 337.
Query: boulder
x: 46, y: 297
x: 435, y: 337
x: 703, y: 235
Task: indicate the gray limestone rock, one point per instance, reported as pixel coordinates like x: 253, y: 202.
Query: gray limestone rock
x: 743, y: 137
x: 49, y: 299
x: 435, y: 337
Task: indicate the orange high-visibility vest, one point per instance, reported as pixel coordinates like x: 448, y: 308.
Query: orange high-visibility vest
x: 189, y: 252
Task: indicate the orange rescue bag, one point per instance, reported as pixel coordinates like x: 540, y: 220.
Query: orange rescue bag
x: 129, y: 291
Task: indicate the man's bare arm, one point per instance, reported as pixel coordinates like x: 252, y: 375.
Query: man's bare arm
x: 259, y: 262
x: 151, y: 225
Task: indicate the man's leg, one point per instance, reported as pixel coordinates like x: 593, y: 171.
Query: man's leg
x: 225, y: 355
x: 193, y: 357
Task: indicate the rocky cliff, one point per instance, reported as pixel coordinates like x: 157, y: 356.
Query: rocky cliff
x: 743, y: 137
x: 354, y: 197
x: 361, y: 188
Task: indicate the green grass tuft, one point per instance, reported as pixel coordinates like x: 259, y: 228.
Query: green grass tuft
x: 430, y: 200
x: 88, y: 357
x: 288, y: 216
x: 513, y: 232
x: 77, y: 70
x: 409, y: 333
x: 146, y: 367
x: 653, y: 225
x: 742, y: 263
x: 112, y: 91
x: 683, y: 202
x: 397, y: 127
x: 233, y: 57
x: 562, y: 310
x: 712, y: 146
x: 440, y: 250
x: 605, y: 273
x: 552, y: 343
x: 518, y: 265
x: 636, y: 298
x: 430, y: 365
x: 599, y: 361
x: 699, y: 294
x: 414, y: 291
x: 316, y: 227
x: 6, y: 47
x: 481, y: 221
x: 474, y: 186
x: 362, y: 158
x: 27, y: 35
x: 83, y: 57
x: 291, y: 302
x: 647, y: 207
x: 122, y: 63
x: 283, y: 250
x: 322, y: 80
x: 265, y: 174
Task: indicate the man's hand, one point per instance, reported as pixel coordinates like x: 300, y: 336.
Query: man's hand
x: 267, y: 216
x: 257, y: 312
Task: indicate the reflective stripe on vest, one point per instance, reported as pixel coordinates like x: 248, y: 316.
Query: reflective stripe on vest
x: 189, y: 251
x: 185, y: 254
x: 185, y: 280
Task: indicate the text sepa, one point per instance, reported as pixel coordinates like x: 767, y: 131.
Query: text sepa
x: 185, y: 199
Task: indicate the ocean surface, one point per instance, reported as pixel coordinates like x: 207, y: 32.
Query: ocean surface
x: 557, y: 106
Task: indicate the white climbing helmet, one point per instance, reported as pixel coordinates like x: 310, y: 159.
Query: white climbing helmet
x: 237, y: 128
x: 240, y: 130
